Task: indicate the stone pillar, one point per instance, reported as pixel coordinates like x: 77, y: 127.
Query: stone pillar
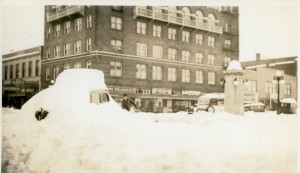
x: 234, y: 89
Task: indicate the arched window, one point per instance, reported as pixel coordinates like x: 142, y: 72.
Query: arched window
x: 199, y: 16
x: 186, y: 13
x: 211, y: 19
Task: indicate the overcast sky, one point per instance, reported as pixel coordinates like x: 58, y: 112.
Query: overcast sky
x: 268, y: 29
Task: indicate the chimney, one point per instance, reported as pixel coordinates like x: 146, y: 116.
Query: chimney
x: 258, y: 57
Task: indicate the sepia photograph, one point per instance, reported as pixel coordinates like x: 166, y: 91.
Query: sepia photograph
x: 154, y: 87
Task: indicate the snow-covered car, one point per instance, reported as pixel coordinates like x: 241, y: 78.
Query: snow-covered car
x: 288, y: 106
x: 255, y: 107
x: 72, y: 90
x: 211, y: 102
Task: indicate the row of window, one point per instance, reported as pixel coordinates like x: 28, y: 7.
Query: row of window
x: 141, y: 28
x: 21, y: 70
x: 272, y: 88
x: 66, y: 27
x: 116, y: 70
x: 67, y: 49
x: 141, y: 50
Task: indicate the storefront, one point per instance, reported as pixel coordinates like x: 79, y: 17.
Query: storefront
x: 156, y: 99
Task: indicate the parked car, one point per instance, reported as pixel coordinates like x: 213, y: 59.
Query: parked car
x: 288, y: 106
x: 211, y: 102
x: 255, y: 107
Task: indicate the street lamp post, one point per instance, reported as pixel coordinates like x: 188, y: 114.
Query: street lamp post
x: 278, y: 78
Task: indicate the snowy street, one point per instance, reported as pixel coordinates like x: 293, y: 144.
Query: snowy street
x: 94, y: 140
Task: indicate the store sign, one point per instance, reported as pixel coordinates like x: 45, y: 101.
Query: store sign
x: 191, y: 92
x: 122, y: 89
x: 162, y: 91
x: 250, y: 97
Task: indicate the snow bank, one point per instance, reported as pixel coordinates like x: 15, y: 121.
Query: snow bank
x: 95, y: 142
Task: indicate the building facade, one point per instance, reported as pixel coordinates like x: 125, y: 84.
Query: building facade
x: 162, y: 57
x: 260, y: 74
x: 21, y: 72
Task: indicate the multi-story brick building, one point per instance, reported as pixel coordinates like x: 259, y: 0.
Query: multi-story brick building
x: 21, y: 76
x: 163, y: 57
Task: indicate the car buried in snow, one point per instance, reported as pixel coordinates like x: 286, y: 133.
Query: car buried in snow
x: 72, y: 90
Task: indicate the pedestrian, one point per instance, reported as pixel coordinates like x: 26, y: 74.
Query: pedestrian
x: 126, y: 102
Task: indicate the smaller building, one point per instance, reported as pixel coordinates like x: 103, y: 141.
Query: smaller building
x: 21, y: 73
x: 260, y: 83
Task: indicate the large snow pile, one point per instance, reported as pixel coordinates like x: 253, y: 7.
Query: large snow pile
x: 98, y: 141
x: 82, y: 137
x: 70, y: 92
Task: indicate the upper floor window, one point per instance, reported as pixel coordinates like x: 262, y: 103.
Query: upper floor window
x: 211, y: 59
x: 172, y: 54
x: 88, y: 44
x: 211, y: 19
x: 48, y: 52
x: 78, y: 24
x: 185, y: 75
x: 211, y: 78
x: 47, y: 74
x: 185, y: 56
x: 199, y: 58
x: 199, y: 39
x: 67, y: 48
x: 117, y: 45
x: 251, y: 86
x: 141, y: 71
x: 55, y: 71
x: 5, y: 73
x: 172, y: 74
x: 141, y: 49
x: 116, y: 23
x: 115, y: 69
x: 227, y: 44
x: 186, y: 36
x: 270, y: 88
x: 77, y: 46
x: 157, y: 31
x: 67, y: 27
x: 89, y: 64
x: 77, y: 65
x: 156, y: 73
x: 227, y: 61
x: 67, y: 66
x: 157, y: 51
x: 23, y: 69
x: 211, y: 41
x: 172, y: 34
x: 57, y: 30
x: 141, y: 27
x: 199, y: 77
x: 287, y: 89
x: 56, y: 51
x: 37, y: 67
x: 89, y: 21
x: 17, y: 71
x: 228, y: 28
x: 11, y: 71
x: 48, y: 33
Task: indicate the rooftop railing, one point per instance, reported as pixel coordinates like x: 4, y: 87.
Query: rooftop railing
x: 170, y: 17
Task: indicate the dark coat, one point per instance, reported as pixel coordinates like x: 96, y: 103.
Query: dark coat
x: 126, y: 104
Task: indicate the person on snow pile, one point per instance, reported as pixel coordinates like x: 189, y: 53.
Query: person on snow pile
x: 126, y: 102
